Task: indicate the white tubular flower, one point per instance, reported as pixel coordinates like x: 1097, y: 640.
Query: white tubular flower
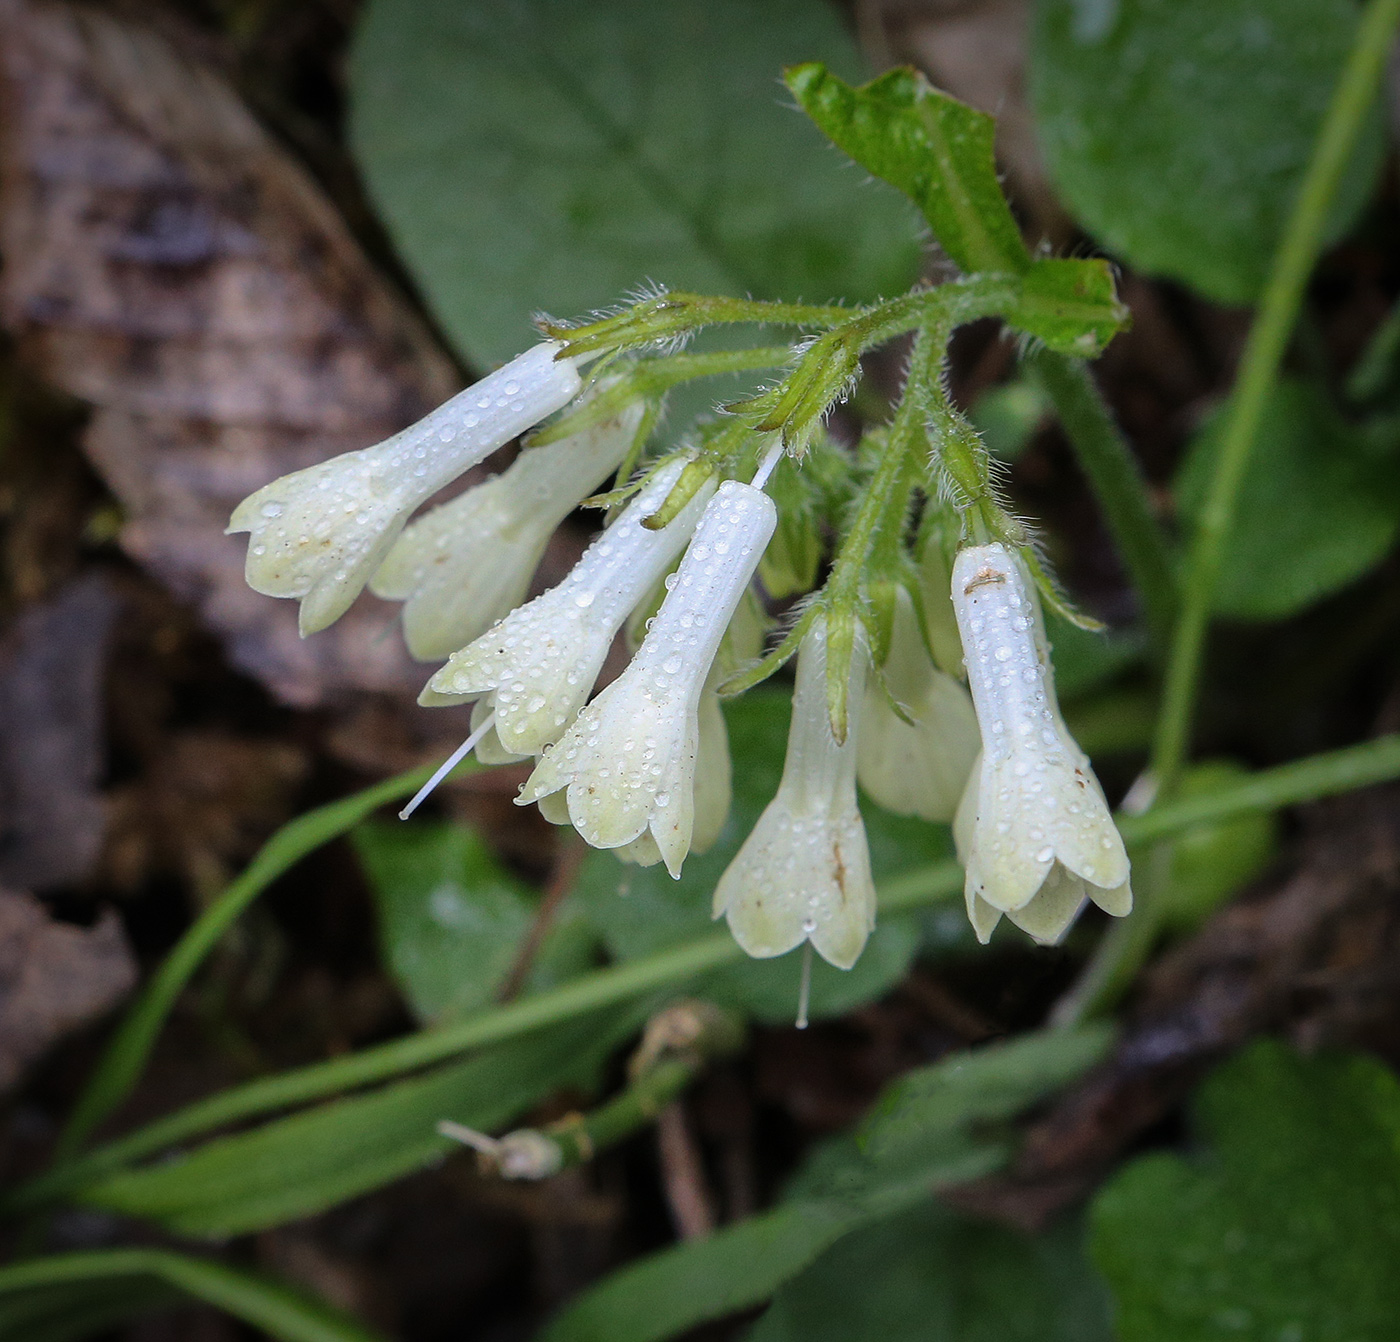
x: 536, y: 668
x: 921, y: 769
x: 628, y: 762
x: 804, y: 872
x: 467, y: 564
x: 1033, y: 830
x: 320, y: 533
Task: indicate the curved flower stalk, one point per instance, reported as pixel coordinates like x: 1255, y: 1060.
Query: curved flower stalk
x: 1033, y: 830
x: 320, y: 533
x: 628, y: 761
x: 468, y: 563
x: 921, y: 767
x: 536, y: 668
x: 804, y: 872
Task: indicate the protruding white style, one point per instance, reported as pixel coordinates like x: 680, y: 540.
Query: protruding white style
x: 1034, y: 831
x: 628, y: 761
x: 803, y: 874
x: 468, y: 563
x: 537, y: 667
x: 919, y: 769
x: 320, y: 533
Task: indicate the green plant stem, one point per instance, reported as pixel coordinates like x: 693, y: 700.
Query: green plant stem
x: 1128, y: 941
x: 1268, y: 339
x: 1306, y: 780
x: 126, y: 1054
x: 1118, y: 483
x: 264, y: 1304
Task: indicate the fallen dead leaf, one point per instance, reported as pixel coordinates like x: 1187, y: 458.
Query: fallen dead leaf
x: 54, y: 977
x: 51, y: 671
x: 169, y: 264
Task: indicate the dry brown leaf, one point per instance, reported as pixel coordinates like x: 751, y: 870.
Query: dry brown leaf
x: 168, y: 263
x: 54, y: 977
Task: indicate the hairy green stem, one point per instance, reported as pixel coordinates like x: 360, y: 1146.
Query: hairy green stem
x: 1118, y: 483
x: 1264, y: 350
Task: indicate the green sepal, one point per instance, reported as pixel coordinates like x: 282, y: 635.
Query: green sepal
x: 840, y: 645
x: 880, y: 595
x: 692, y: 480
x: 1070, y: 305
x: 734, y: 685
x: 1052, y: 595
x: 940, y: 152
x: 789, y: 564
x: 796, y: 406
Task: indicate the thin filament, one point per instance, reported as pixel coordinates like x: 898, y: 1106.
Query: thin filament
x: 804, y: 991
x: 767, y: 465
x: 450, y: 763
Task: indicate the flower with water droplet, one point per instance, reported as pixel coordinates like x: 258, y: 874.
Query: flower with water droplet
x: 627, y: 764
x: 804, y: 872
x: 919, y: 768
x: 463, y: 566
x: 320, y: 533
x: 536, y: 668
x: 1033, y: 830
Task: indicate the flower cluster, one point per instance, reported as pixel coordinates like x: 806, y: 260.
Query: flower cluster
x: 641, y: 766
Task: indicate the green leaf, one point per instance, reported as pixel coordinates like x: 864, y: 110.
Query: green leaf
x: 101, y: 1276
x: 640, y: 910
x: 1211, y: 862
x: 67, y: 1312
x: 1316, y: 509
x: 846, y: 1184
x: 1288, y: 1228
x: 929, y: 1275
x: 1178, y: 133
x: 1070, y: 305
x: 452, y: 918
x: 1086, y: 659
x: 937, y: 150
x: 296, y: 1166
x: 554, y: 155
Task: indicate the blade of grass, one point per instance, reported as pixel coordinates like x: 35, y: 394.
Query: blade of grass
x: 1304, y: 780
x: 126, y: 1054
x: 264, y: 1304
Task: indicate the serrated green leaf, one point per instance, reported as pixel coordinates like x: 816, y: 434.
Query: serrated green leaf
x: 845, y: 1184
x: 452, y: 919
x: 297, y: 1166
x: 929, y: 1275
x: 937, y: 150
x: 1178, y: 133
x: 1288, y: 1229
x: 639, y: 910
x: 1316, y: 508
x: 551, y: 155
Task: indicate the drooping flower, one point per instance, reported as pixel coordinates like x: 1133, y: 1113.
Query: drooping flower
x: 463, y: 566
x: 919, y: 768
x: 627, y: 764
x: 320, y: 533
x: 536, y: 668
x: 803, y: 873
x: 1034, y: 831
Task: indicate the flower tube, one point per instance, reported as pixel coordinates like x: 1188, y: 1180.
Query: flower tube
x: 320, y: 533
x: 919, y: 768
x: 1033, y: 830
x: 803, y: 873
x: 468, y: 563
x: 536, y: 668
x: 628, y: 762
